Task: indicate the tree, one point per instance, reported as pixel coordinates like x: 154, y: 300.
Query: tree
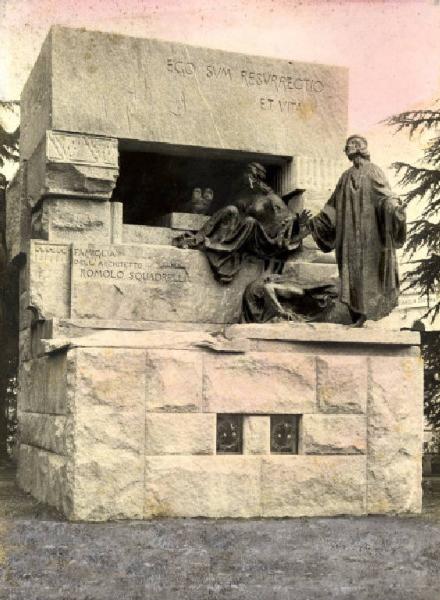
x: 8, y: 290
x: 8, y: 140
x: 423, y: 183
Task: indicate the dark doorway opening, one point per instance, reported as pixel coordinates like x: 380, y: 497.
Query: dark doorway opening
x: 152, y: 184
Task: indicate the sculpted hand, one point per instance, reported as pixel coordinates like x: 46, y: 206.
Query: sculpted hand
x: 303, y: 218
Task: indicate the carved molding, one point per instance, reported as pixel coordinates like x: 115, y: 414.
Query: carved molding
x: 81, y: 149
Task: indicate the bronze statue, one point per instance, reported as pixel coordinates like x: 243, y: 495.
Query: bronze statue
x: 285, y: 298
x: 201, y: 202
x: 364, y: 223
x: 257, y: 223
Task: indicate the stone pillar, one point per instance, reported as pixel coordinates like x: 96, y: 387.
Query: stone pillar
x: 61, y: 195
x: 70, y: 181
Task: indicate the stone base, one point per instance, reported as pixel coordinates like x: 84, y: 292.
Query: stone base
x: 122, y: 425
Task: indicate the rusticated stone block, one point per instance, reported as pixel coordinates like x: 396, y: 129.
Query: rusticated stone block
x: 184, y: 221
x: 260, y: 382
x: 342, y: 384
x: 57, y: 402
x: 71, y: 220
x: 294, y: 486
x: 50, y: 279
x: 44, y: 431
x: 109, y: 413
x: 144, y: 234
x: 395, y: 434
x: 45, y: 475
x: 211, y: 486
x: 180, y: 433
x: 173, y: 381
x: 256, y: 435
x: 42, y: 385
x: 33, y: 386
x: 334, y: 434
x: 109, y: 483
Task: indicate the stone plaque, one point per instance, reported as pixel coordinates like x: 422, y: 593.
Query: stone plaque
x: 151, y: 283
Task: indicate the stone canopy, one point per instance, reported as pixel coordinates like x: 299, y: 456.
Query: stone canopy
x: 169, y: 93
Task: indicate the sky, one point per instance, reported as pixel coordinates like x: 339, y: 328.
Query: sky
x: 391, y: 48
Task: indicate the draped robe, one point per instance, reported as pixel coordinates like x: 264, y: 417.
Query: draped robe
x: 364, y: 225
x: 257, y: 224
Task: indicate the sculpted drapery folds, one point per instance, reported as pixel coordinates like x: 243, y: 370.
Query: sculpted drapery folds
x: 364, y: 223
x: 257, y: 223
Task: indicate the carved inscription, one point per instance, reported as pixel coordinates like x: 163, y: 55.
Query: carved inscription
x: 284, y: 106
x: 111, y: 265
x: 61, y: 147
x: 247, y: 78
x: 50, y: 254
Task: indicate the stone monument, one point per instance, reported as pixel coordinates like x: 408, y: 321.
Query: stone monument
x: 141, y: 394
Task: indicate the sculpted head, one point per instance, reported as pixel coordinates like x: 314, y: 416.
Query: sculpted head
x: 356, y: 145
x: 200, y: 202
x: 208, y: 195
x: 196, y: 193
x: 257, y: 170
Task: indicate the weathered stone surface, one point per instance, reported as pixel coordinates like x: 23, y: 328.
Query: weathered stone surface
x: 77, y: 220
x: 44, y: 431
x: 294, y: 486
x: 50, y: 279
x: 42, y: 385
x: 73, y: 166
x: 256, y: 435
x: 143, y: 234
x: 212, y: 486
x: 342, y: 384
x: 35, y: 103
x: 180, y: 433
x: 13, y: 217
x: 395, y: 434
x: 260, y: 382
x: 322, y: 332
x: 173, y: 381
x: 184, y: 221
x: 334, y: 434
x: 32, y: 393
x: 116, y: 215
x: 109, y: 409
x: 167, y: 92
x: 311, y: 273
x: 45, y: 475
x: 109, y: 484
x: 25, y: 344
x: 146, y: 283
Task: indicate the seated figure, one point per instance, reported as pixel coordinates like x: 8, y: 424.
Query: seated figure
x: 257, y: 223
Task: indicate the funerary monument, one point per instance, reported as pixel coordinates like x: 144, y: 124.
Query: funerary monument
x: 186, y: 346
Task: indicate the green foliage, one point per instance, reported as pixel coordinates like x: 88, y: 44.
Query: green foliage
x: 423, y: 183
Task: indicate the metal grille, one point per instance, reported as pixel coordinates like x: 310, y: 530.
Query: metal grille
x: 284, y: 434
x: 229, y: 434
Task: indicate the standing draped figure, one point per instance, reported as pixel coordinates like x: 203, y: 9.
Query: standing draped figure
x: 364, y: 223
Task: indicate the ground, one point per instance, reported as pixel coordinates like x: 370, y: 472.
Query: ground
x: 367, y: 558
